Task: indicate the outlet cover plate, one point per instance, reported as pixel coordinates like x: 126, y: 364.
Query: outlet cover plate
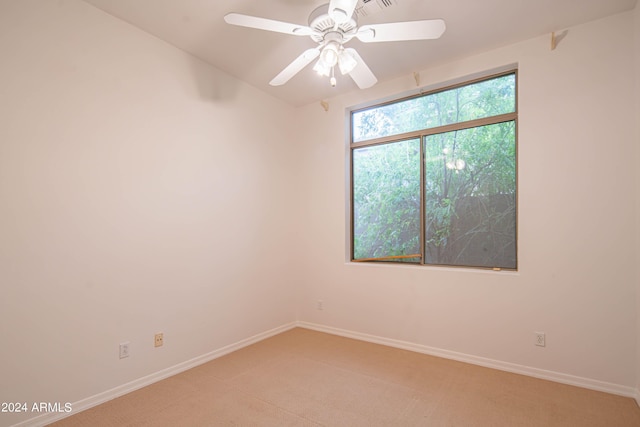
x: 124, y: 350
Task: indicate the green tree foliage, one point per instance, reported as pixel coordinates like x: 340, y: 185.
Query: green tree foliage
x: 483, y: 99
x: 386, y: 205
x: 469, y: 183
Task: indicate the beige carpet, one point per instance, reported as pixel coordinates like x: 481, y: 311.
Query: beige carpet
x: 308, y: 378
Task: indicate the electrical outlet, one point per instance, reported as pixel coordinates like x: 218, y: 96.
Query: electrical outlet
x: 159, y: 339
x: 540, y: 339
x: 320, y: 305
x: 124, y: 350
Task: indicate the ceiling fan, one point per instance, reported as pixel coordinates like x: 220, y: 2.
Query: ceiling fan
x: 331, y: 26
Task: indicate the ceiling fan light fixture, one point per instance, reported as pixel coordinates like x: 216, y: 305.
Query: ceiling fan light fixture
x: 329, y: 54
x: 346, y: 62
x: 322, y: 68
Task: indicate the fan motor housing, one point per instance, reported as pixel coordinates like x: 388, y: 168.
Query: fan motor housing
x: 320, y: 21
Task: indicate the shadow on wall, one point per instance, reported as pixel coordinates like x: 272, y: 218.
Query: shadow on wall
x: 212, y: 84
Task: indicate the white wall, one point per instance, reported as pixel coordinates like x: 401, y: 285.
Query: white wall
x: 577, y: 212
x: 141, y: 191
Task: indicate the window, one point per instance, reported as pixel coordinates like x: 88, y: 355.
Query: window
x: 433, y: 177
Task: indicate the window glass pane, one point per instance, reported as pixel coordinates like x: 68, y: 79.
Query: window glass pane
x: 483, y: 99
x: 386, y: 201
x: 470, y: 197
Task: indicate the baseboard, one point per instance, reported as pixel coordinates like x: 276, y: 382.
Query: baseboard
x: 108, y: 395
x: 481, y: 361
x: 103, y: 397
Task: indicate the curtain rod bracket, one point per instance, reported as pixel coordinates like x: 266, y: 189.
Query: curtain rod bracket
x: 556, y: 38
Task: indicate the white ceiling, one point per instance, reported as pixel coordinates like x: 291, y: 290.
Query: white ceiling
x: 255, y: 56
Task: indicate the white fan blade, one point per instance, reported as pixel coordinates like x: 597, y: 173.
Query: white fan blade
x: 342, y: 10
x: 401, y: 31
x: 295, y: 67
x: 267, y: 24
x: 361, y: 74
